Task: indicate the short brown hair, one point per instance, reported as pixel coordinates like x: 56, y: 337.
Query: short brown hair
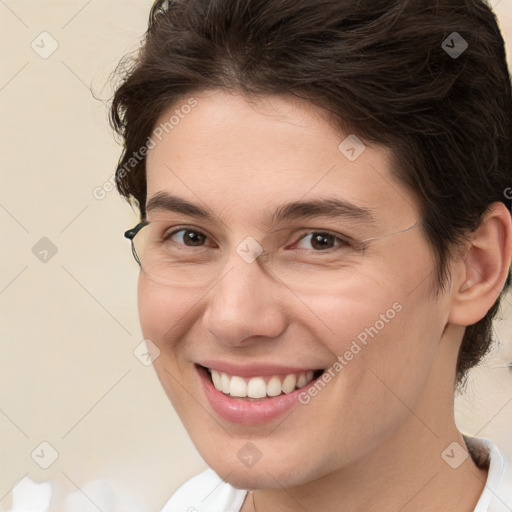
x: 385, y: 71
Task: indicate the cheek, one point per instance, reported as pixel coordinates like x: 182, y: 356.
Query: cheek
x: 162, y: 311
x: 351, y: 316
x: 385, y: 345
x: 384, y: 334
x: 152, y: 303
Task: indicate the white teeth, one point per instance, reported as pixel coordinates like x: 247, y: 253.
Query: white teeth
x: 237, y: 387
x: 256, y: 387
x: 289, y: 383
x: 301, y: 381
x: 217, y: 380
x: 274, y: 386
x: 224, y: 379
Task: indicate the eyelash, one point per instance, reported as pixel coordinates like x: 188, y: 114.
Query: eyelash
x: 344, y: 242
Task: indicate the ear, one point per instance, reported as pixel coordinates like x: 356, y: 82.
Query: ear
x: 481, y: 275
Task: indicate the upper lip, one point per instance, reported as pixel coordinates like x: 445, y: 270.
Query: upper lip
x: 254, y: 369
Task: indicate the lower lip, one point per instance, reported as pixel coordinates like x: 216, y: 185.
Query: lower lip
x: 247, y: 412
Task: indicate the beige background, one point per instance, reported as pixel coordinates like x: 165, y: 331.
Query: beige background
x: 69, y: 326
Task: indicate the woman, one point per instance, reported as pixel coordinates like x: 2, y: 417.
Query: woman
x: 325, y: 236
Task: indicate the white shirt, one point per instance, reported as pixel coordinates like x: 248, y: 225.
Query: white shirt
x: 207, y: 492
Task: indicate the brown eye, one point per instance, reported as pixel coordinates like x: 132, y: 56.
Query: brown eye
x: 319, y: 241
x: 190, y: 237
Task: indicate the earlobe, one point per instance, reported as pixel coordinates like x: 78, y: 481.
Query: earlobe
x: 484, y: 268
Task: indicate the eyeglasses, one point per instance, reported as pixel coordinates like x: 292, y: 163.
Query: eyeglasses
x: 190, y: 262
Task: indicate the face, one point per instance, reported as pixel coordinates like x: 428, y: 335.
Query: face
x: 364, y: 315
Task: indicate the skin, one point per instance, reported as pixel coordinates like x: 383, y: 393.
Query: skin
x: 373, y: 438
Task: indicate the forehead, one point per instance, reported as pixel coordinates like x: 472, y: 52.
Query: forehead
x: 242, y: 158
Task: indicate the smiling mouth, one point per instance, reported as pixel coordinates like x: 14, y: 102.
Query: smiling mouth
x: 260, y: 387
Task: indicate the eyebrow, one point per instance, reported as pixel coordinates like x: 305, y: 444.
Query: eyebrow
x: 330, y: 207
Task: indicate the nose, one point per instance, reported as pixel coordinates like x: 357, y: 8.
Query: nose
x: 245, y: 302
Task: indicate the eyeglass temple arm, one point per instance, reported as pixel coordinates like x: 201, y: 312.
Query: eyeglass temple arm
x: 394, y: 233
x: 130, y: 233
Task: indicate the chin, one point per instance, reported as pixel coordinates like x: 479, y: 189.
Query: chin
x: 266, y: 473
